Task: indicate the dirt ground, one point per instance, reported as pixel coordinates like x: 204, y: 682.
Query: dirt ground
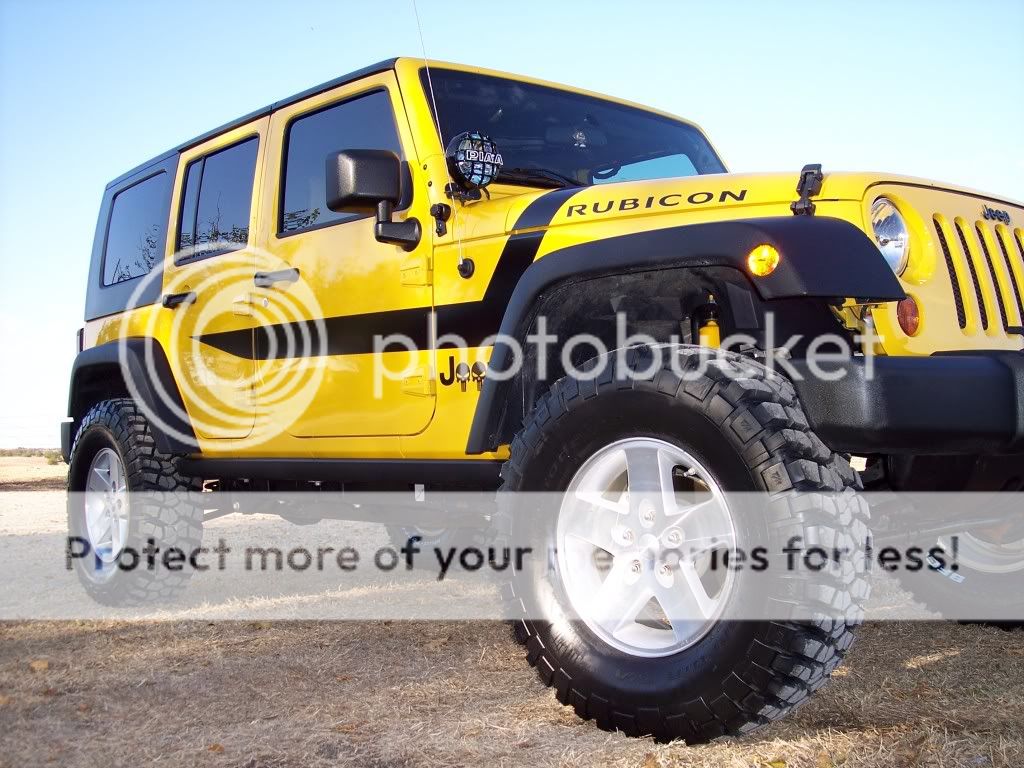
x: 31, y: 473
x: 414, y: 694
x: 262, y: 694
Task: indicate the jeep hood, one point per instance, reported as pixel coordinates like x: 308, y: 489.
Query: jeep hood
x: 697, y: 198
x: 658, y: 197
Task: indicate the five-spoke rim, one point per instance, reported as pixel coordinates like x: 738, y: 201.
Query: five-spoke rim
x: 987, y: 556
x: 106, y: 508
x: 639, y: 530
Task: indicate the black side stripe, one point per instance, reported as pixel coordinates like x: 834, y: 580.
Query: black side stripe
x: 354, y: 334
x: 476, y: 320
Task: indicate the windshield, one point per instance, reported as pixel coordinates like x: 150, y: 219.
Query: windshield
x: 551, y: 138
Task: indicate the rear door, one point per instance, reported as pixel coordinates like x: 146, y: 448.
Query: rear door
x: 211, y: 333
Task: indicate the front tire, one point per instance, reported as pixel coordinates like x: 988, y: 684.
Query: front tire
x: 743, y: 427
x: 122, y: 493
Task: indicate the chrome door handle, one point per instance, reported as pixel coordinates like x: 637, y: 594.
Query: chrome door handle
x: 171, y: 300
x: 268, y: 279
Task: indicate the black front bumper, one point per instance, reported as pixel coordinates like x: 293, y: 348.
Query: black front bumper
x: 944, y: 404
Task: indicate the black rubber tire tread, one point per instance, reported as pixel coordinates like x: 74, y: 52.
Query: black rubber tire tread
x: 793, y: 658
x: 172, y: 516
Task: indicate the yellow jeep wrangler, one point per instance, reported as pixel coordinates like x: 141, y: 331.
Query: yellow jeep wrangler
x: 425, y: 274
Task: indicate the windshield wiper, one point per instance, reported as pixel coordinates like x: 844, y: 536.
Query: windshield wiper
x: 537, y: 176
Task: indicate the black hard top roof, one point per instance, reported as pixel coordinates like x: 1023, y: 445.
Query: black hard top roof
x: 373, y: 69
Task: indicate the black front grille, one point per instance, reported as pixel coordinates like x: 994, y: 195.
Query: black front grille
x: 1009, y: 271
x: 974, y: 276
x: 958, y: 298
x: 995, y: 278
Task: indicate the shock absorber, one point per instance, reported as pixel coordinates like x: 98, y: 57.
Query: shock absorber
x: 709, y: 333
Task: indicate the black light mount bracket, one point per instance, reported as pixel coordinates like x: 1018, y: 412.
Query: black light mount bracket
x: 441, y: 213
x: 455, y: 192
x: 808, y: 186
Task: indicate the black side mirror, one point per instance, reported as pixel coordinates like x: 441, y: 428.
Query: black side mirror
x: 369, y: 180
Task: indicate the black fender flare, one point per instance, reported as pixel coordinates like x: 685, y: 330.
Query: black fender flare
x: 822, y: 258
x: 127, y: 358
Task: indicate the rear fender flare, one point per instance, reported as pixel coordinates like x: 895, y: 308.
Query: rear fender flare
x: 133, y: 367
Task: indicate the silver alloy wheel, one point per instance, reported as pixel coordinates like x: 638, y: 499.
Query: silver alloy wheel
x: 638, y: 529
x: 106, y: 509
x: 987, y: 556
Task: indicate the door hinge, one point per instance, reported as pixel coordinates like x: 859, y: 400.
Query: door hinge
x: 808, y: 186
x: 242, y: 305
x: 417, y: 270
x: 421, y: 383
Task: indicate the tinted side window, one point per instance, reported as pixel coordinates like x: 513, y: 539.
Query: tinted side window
x: 187, y: 225
x: 217, y: 200
x: 135, y: 232
x: 366, y: 122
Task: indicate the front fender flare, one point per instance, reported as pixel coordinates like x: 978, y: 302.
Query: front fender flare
x: 822, y: 258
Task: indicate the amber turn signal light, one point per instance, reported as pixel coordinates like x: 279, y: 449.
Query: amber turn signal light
x: 909, y: 316
x: 763, y: 260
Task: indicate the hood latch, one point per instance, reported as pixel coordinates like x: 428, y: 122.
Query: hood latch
x: 808, y: 186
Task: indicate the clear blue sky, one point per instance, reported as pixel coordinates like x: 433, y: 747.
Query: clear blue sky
x: 91, y: 89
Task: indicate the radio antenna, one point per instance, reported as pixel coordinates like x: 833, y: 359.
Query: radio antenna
x: 426, y: 66
x: 465, y: 265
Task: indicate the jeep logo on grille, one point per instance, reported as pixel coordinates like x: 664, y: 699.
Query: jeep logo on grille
x: 994, y: 214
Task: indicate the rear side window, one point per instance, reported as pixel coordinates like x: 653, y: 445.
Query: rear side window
x: 217, y: 200
x: 136, y: 230
x: 366, y: 122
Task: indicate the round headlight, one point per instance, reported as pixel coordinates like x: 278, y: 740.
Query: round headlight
x: 891, y: 234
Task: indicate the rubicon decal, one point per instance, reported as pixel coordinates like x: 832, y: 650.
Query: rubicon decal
x: 671, y: 200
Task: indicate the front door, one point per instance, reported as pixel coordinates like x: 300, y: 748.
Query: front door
x: 209, y: 282
x: 353, y: 289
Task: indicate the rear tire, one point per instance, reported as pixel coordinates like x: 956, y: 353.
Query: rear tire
x: 987, y: 579
x: 746, y: 426
x: 122, y: 492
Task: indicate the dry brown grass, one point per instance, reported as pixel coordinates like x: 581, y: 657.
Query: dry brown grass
x: 259, y: 694
x: 396, y: 694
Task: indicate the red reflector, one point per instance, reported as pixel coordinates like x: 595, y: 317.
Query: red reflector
x: 909, y: 316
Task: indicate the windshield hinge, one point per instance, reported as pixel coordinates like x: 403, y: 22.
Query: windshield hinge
x: 808, y: 186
